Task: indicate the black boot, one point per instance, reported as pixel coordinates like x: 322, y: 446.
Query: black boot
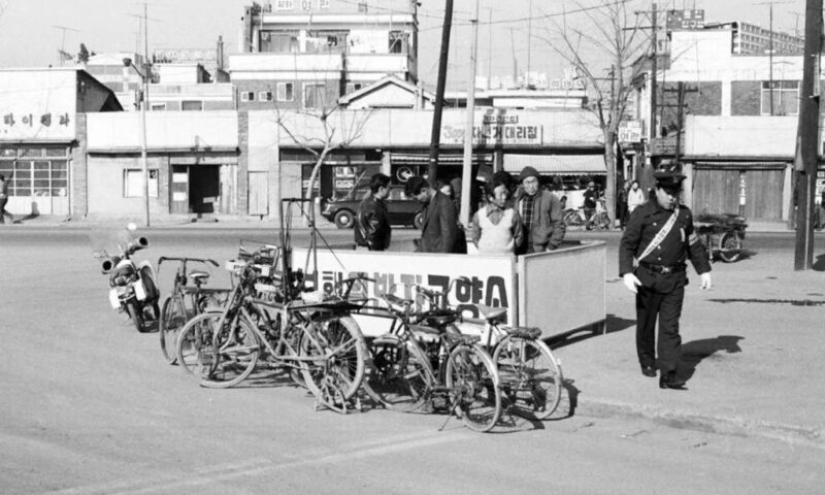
x: 669, y: 380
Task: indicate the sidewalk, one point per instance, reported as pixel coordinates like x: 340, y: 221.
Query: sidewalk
x: 751, y: 354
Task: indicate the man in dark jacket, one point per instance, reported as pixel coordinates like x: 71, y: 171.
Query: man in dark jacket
x: 657, y: 242
x: 541, y: 214
x: 439, y: 232
x: 372, y: 225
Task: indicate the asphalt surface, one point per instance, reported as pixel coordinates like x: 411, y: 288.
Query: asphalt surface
x: 750, y: 344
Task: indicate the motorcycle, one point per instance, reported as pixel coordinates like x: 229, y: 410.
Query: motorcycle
x: 132, y: 288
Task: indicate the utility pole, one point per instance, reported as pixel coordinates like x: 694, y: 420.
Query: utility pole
x: 654, y: 69
x: 807, y: 158
x: 770, y: 51
x: 435, y: 136
x: 467, y: 170
x: 529, y: 35
x: 63, y: 41
x: 680, y: 90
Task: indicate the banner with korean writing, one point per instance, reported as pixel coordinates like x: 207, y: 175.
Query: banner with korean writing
x: 38, y: 105
x: 490, y: 279
x: 494, y: 133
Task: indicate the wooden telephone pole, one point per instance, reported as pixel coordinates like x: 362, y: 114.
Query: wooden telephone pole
x: 807, y: 150
x: 435, y: 136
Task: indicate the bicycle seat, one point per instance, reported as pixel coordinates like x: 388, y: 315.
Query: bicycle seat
x: 198, y: 277
x: 439, y: 317
x: 491, y: 313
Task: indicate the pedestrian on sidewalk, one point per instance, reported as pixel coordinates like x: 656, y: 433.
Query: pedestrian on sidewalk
x: 4, y: 197
x: 635, y: 197
x: 652, y: 262
x: 541, y: 212
x: 590, y: 199
x: 372, y: 224
x: 439, y: 232
x: 497, y: 226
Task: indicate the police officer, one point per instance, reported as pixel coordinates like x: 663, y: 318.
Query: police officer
x: 656, y: 243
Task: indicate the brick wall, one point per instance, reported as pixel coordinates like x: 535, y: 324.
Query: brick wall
x: 80, y: 170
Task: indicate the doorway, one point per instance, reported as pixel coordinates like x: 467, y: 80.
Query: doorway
x: 196, y: 189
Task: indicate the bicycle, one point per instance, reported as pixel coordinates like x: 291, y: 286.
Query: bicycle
x: 530, y: 376
x: 317, y: 339
x: 450, y: 367
x: 184, y: 302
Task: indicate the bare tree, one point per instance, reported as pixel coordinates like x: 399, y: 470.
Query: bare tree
x: 605, y: 37
x: 322, y: 131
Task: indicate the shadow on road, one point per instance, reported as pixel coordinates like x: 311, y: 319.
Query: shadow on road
x: 612, y: 324
x: 694, y: 352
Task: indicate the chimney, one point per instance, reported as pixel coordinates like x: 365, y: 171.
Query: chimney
x: 220, y: 53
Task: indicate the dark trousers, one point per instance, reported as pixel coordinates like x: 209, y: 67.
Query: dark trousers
x: 667, y: 307
x: 3, y: 202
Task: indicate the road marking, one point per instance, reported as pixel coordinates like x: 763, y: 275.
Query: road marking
x: 258, y: 466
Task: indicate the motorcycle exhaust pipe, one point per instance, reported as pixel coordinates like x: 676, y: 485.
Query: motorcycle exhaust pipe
x: 108, y: 264
x: 137, y: 245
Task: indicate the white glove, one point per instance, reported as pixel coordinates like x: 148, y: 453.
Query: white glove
x: 631, y: 282
x: 705, y: 280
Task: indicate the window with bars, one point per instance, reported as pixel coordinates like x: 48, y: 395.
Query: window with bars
x: 785, y: 98
x: 36, y: 171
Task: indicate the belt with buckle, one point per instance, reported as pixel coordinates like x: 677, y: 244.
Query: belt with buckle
x: 665, y: 269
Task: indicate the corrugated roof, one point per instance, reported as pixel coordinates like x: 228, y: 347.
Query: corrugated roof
x: 556, y: 164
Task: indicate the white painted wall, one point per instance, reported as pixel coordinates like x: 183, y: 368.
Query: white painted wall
x: 114, y: 131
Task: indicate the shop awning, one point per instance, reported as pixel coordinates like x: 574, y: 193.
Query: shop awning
x: 556, y: 164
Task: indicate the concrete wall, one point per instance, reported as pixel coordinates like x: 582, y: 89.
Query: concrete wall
x: 106, y: 188
x: 216, y: 130
x: 756, y: 137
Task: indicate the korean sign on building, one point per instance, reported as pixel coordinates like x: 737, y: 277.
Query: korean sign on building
x: 495, y: 129
x: 37, y: 105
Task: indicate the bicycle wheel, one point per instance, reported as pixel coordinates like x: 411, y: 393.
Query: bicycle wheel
x: 172, y: 318
x: 473, y: 380
x: 339, y: 357
x: 730, y: 247
x: 218, y: 359
x: 531, y: 379
x: 398, y: 374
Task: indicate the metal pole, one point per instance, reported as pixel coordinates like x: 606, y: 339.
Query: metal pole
x: 143, y: 155
x: 770, y: 57
x: 808, y: 136
x: 435, y: 136
x: 467, y: 171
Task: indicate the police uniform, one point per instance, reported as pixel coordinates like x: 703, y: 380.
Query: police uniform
x: 662, y: 275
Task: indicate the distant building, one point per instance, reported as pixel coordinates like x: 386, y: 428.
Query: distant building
x: 43, y: 137
x: 300, y: 54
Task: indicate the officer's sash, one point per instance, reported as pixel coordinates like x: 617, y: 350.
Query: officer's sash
x: 660, y: 236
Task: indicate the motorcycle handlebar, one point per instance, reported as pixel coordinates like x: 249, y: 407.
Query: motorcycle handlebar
x: 186, y: 259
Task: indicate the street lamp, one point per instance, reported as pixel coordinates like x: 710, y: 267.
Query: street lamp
x: 127, y: 62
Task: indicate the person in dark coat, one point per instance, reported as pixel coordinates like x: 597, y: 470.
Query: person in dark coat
x: 658, y: 240
x: 439, y: 232
x: 372, y: 224
x: 541, y: 212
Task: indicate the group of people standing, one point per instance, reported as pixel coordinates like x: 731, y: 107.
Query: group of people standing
x: 516, y: 218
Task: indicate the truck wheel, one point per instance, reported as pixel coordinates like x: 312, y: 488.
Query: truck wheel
x: 344, y: 219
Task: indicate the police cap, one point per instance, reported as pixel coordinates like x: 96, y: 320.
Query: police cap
x: 668, y: 180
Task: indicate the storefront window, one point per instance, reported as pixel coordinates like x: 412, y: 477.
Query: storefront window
x: 29, y: 177
x: 785, y: 98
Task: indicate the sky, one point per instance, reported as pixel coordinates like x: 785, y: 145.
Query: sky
x: 31, y: 31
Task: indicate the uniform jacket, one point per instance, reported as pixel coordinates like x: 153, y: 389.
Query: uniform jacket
x: 439, y: 232
x: 547, y: 229
x: 372, y: 226
x: 680, y: 244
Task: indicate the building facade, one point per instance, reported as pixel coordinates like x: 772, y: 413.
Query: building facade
x: 43, y: 136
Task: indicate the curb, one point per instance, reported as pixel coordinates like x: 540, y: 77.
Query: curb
x: 736, y: 426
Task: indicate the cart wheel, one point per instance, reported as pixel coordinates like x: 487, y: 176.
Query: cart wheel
x: 730, y: 247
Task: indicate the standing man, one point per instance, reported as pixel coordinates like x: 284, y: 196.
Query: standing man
x: 439, y: 232
x: 4, y: 197
x: 541, y: 215
x: 652, y: 254
x: 589, y: 204
x: 372, y: 225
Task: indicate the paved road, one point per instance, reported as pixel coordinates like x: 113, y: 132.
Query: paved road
x: 87, y: 406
